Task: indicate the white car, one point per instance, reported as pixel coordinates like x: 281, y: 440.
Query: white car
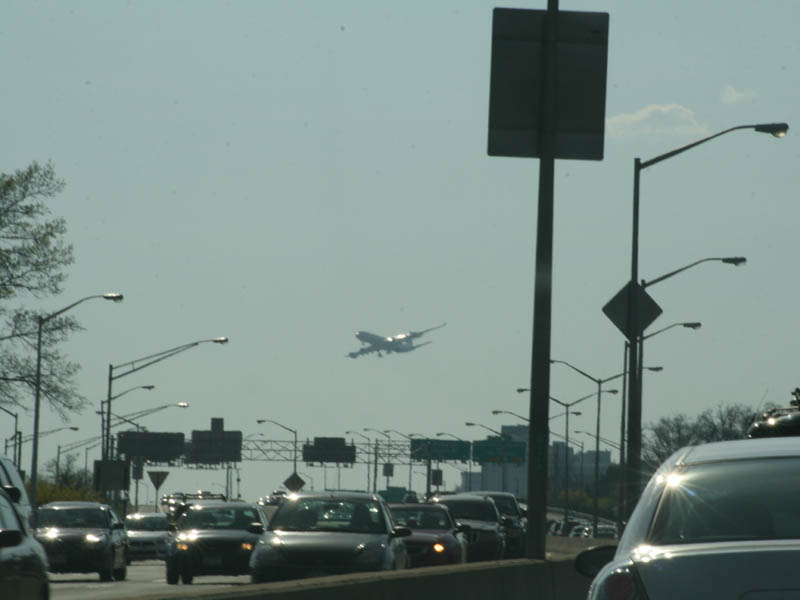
x: 719, y: 520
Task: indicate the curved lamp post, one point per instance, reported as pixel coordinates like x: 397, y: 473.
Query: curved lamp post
x: 17, y: 437
x: 369, y: 451
x: 137, y: 365
x: 41, y: 320
x: 102, y: 413
x: 409, y: 437
x: 388, y: 455
x: 633, y: 479
x: 290, y: 430
x: 469, y: 463
x: 503, y: 438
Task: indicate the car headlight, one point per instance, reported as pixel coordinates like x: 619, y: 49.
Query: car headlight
x: 93, y: 538
x: 438, y: 548
x: 182, y: 546
x: 248, y: 546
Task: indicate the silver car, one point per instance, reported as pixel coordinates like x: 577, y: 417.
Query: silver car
x: 718, y: 520
x: 148, y: 534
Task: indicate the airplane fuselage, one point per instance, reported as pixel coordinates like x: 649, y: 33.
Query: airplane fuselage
x: 397, y: 343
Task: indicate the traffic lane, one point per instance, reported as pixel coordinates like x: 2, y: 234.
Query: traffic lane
x: 144, y: 578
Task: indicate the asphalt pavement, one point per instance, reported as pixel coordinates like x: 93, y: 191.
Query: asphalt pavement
x: 144, y: 578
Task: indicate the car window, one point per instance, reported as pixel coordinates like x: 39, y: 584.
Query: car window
x: 472, y: 509
x: 79, y: 518
x: 323, y: 514
x: 134, y: 523
x: 10, y: 476
x: 506, y: 505
x: 737, y: 500
x: 8, y: 516
x: 215, y: 517
x: 422, y: 518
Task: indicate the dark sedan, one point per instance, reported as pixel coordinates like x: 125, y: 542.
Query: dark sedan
x: 148, y: 534
x: 326, y: 534
x: 214, y: 537
x: 83, y: 537
x: 23, y: 562
x: 516, y: 521
x: 486, y: 538
x: 435, y: 537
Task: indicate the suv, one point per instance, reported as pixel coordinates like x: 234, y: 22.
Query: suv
x: 515, y: 520
x: 486, y: 536
x: 82, y: 537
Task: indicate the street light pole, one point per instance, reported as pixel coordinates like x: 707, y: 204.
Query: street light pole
x: 503, y: 437
x: 369, y: 451
x: 388, y: 454
x: 469, y: 482
x: 409, y: 438
x: 633, y: 476
x: 131, y: 367
x: 16, y: 434
x: 290, y: 430
x: 41, y: 320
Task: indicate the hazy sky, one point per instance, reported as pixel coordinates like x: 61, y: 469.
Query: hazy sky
x: 287, y: 172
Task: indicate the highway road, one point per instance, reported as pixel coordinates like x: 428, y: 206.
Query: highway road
x: 146, y: 577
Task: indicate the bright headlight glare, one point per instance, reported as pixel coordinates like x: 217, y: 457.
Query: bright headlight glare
x: 438, y: 548
x: 247, y: 546
x: 182, y: 546
x: 91, y: 537
x: 52, y: 533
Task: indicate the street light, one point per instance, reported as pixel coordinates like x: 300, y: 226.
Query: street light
x: 409, y: 437
x: 388, y: 454
x: 41, y: 320
x: 634, y: 450
x: 513, y: 414
x: 290, y: 430
x: 17, y: 437
x: 137, y: 365
x: 503, y: 438
x: 369, y: 451
x: 103, y: 402
x: 469, y: 463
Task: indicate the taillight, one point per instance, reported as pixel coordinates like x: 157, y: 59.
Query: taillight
x: 619, y: 586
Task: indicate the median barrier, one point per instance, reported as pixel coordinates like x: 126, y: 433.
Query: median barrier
x: 520, y: 579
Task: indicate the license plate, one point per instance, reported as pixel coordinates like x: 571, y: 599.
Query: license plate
x: 212, y: 561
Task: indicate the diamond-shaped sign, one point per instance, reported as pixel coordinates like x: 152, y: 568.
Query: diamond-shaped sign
x: 646, y: 311
x: 294, y: 483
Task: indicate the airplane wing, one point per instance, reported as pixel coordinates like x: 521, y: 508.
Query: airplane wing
x: 415, y: 334
x: 414, y: 347
x: 363, y: 351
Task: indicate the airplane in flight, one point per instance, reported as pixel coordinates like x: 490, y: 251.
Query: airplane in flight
x: 402, y: 342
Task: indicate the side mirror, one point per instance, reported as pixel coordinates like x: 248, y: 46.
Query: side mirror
x: 256, y: 528
x: 401, y: 531
x: 10, y: 538
x: 463, y: 527
x: 589, y: 562
x: 13, y: 493
x: 118, y: 525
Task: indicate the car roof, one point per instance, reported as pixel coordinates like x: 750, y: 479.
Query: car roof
x: 62, y: 504
x: 464, y: 497
x: 336, y: 495
x: 217, y: 503
x: 418, y: 505
x: 148, y: 515
x: 740, y: 450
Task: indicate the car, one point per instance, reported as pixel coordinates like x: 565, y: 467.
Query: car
x: 148, y: 535
x: 23, y: 561
x: 213, y: 537
x: 436, y: 538
x: 486, y: 537
x: 10, y: 476
x: 327, y: 533
x: 83, y: 537
x: 717, y: 520
x: 516, y: 523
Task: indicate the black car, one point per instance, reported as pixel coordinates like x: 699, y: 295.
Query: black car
x: 23, y: 562
x: 515, y: 520
x: 486, y: 538
x: 148, y: 535
x: 315, y: 534
x: 435, y: 537
x: 83, y: 537
x: 214, y: 537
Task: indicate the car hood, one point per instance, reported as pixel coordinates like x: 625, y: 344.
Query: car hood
x: 479, y: 525
x: 148, y: 535
x: 43, y: 534
x: 746, y: 570
x: 296, y: 543
x: 427, y: 536
x: 200, y: 535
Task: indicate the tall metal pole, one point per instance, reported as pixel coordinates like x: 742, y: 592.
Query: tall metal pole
x: 542, y: 303
x: 36, y: 411
x: 595, y: 504
x: 621, y: 515
x: 566, y: 471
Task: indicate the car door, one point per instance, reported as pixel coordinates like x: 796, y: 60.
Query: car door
x: 20, y: 566
x: 119, y: 539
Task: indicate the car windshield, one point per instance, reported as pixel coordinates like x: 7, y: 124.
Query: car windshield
x: 156, y: 523
x: 79, y: 518
x: 472, y: 509
x: 324, y: 514
x: 738, y: 500
x: 218, y: 517
x: 506, y: 505
x: 422, y: 518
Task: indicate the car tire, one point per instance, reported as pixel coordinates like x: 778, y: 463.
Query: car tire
x: 121, y: 573
x: 106, y: 572
x: 172, y: 575
x: 187, y: 577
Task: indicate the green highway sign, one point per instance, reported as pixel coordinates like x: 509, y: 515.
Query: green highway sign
x: 435, y: 449
x: 497, y: 449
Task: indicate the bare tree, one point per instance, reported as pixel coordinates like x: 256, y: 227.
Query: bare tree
x: 33, y: 260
